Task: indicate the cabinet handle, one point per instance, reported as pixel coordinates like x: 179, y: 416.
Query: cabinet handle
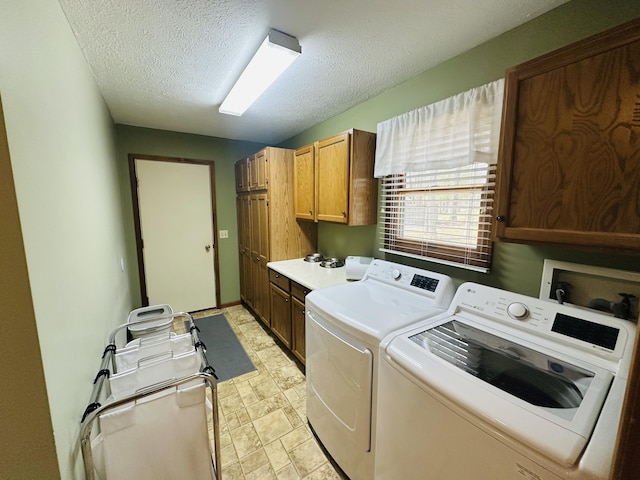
x: 286, y: 300
x: 257, y: 259
x: 277, y: 275
x: 310, y: 212
x: 500, y: 218
x: 344, y: 214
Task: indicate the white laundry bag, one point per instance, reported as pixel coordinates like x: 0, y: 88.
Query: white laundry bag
x: 160, y: 437
x: 154, y: 370
x: 137, y: 350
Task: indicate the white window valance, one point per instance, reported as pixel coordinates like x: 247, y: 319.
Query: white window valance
x: 454, y: 132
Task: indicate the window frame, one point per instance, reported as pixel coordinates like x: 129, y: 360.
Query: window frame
x: 429, y: 249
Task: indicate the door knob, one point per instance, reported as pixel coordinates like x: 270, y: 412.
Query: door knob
x: 207, y: 247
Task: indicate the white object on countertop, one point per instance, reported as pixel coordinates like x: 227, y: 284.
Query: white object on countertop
x: 357, y: 266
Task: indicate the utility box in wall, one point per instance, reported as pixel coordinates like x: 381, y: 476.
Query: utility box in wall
x: 610, y: 291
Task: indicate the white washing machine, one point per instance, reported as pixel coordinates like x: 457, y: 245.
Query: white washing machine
x: 502, y: 387
x: 344, y: 327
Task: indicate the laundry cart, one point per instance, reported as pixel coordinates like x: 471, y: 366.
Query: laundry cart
x: 153, y: 403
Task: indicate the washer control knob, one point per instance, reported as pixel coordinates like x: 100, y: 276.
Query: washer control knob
x: 518, y: 310
x: 396, y: 274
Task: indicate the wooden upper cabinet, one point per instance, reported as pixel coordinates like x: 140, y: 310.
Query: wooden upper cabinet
x: 252, y: 173
x: 242, y: 175
x: 332, y: 179
x: 258, y: 171
x: 344, y: 189
x: 569, y: 161
x: 304, y: 183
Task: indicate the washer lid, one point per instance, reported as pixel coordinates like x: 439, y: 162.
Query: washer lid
x: 369, y: 310
x: 538, y: 379
x: 542, y: 398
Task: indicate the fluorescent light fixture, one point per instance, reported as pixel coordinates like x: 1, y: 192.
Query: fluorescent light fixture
x: 273, y: 57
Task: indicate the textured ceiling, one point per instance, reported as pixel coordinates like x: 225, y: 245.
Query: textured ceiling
x: 168, y: 64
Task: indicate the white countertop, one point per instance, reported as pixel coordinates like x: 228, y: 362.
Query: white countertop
x: 310, y: 274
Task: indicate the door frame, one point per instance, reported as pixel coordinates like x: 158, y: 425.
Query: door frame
x: 133, y: 178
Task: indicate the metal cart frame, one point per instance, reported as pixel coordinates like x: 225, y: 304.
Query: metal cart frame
x: 108, y: 365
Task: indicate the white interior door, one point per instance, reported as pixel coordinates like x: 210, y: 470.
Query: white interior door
x: 176, y: 222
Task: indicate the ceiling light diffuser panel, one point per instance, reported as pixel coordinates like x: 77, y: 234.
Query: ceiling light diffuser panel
x: 273, y: 57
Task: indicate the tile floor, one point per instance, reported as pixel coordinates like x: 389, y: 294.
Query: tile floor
x: 263, y: 430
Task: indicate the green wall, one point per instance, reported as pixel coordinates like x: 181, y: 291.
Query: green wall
x: 224, y: 154
x: 515, y: 267
x: 67, y: 186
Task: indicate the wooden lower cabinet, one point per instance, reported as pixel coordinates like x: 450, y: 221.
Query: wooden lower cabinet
x: 288, y: 313
x: 281, y: 312
x: 298, y: 333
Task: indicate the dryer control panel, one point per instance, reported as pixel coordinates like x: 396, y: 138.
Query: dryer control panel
x: 433, y: 285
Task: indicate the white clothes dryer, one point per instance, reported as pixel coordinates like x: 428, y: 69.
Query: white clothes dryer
x: 502, y: 387
x: 344, y: 327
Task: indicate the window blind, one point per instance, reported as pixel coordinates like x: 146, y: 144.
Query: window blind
x: 440, y: 215
x: 439, y: 169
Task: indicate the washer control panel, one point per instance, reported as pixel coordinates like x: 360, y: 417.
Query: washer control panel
x: 586, y: 329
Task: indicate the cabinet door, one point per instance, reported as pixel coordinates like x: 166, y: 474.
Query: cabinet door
x: 265, y: 307
x: 260, y: 255
x: 281, y: 314
x: 258, y: 171
x: 242, y: 175
x: 244, y: 248
x: 253, y: 289
x: 298, y: 333
x: 298, y: 291
x: 303, y: 183
x: 569, y: 171
x: 252, y: 172
x: 332, y: 179
x: 264, y: 226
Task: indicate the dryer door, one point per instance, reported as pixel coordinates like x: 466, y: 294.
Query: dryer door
x: 339, y: 382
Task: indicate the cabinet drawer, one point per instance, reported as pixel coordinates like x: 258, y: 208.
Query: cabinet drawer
x: 279, y: 279
x: 298, y: 291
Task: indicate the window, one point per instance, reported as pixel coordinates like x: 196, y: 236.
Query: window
x: 438, y: 169
x: 440, y: 214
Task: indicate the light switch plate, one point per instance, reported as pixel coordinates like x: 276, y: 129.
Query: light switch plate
x: 224, y: 233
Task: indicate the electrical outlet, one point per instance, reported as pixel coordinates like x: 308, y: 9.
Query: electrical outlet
x: 224, y: 233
